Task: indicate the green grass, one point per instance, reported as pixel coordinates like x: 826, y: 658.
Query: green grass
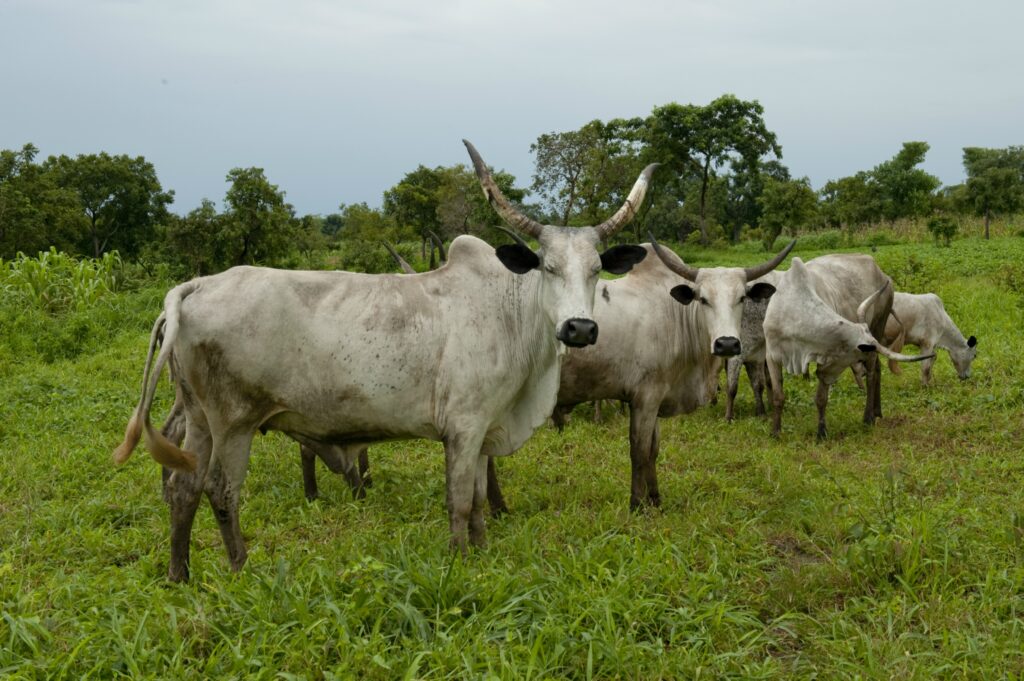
x: 888, y: 552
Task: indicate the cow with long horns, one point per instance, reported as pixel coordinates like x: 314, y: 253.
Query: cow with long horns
x: 469, y: 354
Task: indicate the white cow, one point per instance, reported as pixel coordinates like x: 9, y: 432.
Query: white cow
x: 469, y: 354
x: 811, y: 319
x: 923, y: 321
x: 659, y: 356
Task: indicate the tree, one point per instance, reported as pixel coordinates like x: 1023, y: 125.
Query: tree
x: 197, y: 240
x: 120, y: 197
x: 904, y: 189
x: 258, y: 223
x: 786, y: 203
x: 700, y: 139
x: 995, y: 181
x: 851, y: 201
x: 414, y: 200
x: 34, y: 212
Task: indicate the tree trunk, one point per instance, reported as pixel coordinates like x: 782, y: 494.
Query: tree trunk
x: 988, y: 217
x: 706, y: 175
x: 95, y: 239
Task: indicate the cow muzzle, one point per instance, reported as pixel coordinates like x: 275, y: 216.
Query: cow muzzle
x: 726, y: 346
x: 577, y: 332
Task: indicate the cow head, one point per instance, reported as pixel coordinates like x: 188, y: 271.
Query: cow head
x: 721, y: 292
x: 962, y: 357
x: 567, y: 261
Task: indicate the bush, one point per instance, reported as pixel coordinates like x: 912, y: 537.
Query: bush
x: 943, y: 228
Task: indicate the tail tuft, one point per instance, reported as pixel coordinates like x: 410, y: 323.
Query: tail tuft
x: 132, y: 434
x: 166, y: 453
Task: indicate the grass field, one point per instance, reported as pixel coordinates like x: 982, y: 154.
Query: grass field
x: 888, y: 552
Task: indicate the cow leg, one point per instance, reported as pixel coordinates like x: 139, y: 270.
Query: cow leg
x: 642, y: 421
x: 364, y: 467
x: 926, y: 366
x: 778, y: 396
x: 494, y: 497
x: 462, y: 458
x: 477, y: 522
x: 598, y: 417
x: 821, y: 401
x: 651, y: 473
x: 872, y: 405
x: 228, y: 465
x: 182, y: 494
x: 309, y: 473
x: 732, y: 372
x: 174, y: 430
x: 755, y: 372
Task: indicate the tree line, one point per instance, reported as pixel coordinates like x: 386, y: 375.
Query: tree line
x: 722, y: 177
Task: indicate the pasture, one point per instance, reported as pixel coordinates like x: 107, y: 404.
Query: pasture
x: 888, y: 552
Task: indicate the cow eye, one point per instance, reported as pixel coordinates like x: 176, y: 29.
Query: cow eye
x: 743, y: 298
x: 704, y: 301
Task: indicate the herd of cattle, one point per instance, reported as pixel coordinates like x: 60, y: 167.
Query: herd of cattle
x: 483, y: 350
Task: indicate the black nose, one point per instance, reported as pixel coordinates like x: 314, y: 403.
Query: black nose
x: 578, y: 332
x: 726, y: 346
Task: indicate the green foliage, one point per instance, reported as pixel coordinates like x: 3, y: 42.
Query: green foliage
x: 119, y: 196
x: 943, y: 228
x: 258, y: 224
x: 786, y: 204
x: 56, y: 282
x: 995, y: 181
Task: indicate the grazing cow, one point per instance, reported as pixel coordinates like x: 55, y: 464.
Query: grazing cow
x: 923, y: 322
x: 657, y: 355
x: 811, y: 319
x: 469, y: 354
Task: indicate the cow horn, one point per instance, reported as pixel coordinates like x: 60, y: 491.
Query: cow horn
x: 518, y: 239
x: 680, y: 268
x: 440, y: 245
x: 497, y: 200
x: 899, y: 356
x: 624, y: 214
x: 766, y: 267
x: 862, y: 309
x: 406, y: 267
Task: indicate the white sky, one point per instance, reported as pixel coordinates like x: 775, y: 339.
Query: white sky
x: 338, y: 100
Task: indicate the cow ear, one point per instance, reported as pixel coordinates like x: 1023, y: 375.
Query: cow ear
x: 683, y: 293
x: 972, y: 341
x: 517, y: 258
x: 620, y: 259
x: 866, y: 347
x: 761, y: 291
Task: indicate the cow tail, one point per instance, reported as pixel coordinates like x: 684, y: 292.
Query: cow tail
x: 897, y: 345
x: 140, y: 426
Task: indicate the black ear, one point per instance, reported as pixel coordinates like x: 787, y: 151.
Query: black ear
x: 620, y: 259
x: 683, y: 293
x: 972, y: 341
x: 519, y: 259
x: 761, y: 291
x: 866, y: 347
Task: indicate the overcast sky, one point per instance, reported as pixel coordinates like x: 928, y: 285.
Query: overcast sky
x: 338, y: 100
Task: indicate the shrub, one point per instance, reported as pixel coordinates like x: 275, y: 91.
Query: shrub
x: 944, y: 228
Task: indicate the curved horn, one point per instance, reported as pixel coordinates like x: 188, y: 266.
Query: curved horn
x: 629, y: 208
x: 680, y: 268
x: 766, y: 267
x: 862, y: 309
x: 900, y: 357
x: 497, y: 200
x: 440, y: 244
x: 406, y: 267
x: 518, y: 239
